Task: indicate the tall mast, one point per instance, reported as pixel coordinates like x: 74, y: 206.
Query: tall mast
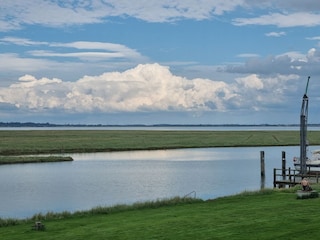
x: 303, y: 132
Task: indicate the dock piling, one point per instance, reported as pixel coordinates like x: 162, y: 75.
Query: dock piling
x: 262, y: 167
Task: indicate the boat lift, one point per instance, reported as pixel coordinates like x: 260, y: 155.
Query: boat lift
x: 303, y: 132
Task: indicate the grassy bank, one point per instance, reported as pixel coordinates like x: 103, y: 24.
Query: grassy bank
x: 269, y: 214
x: 55, y: 141
x: 32, y: 159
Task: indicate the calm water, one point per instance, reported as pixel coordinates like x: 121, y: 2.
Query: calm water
x: 106, y: 179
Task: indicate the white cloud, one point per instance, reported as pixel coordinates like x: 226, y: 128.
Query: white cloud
x: 247, y: 55
x: 169, y: 10
x: 71, y: 58
x: 13, y: 62
x: 48, y: 13
x: 21, y: 41
x: 313, y: 56
x: 103, y: 50
x: 81, y: 55
x: 112, y: 47
x: 306, y: 5
x: 288, y: 5
x: 260, y: 93
x: 149, y: 87
x: 286, y: 13
x: 69, y: 12
x: 295, y: 19
x: 275, y: 34
x: 313, y: 38
x: 251, y: 81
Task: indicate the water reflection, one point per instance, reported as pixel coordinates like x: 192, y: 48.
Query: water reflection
x: 194, y: 154
x: 127, y: 177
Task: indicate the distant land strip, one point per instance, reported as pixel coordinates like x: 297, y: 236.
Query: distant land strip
x: 34, y: 124
x: 32, y: 159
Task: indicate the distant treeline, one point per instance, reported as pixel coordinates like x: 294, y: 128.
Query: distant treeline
x: 33, y: 124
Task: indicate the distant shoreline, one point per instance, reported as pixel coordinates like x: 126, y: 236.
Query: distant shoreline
x: 32, y: 159
x: 33, y: 124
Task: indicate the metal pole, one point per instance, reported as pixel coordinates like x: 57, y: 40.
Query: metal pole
x: 303, y: 132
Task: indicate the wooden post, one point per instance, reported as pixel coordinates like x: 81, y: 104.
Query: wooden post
x: 262, y: 166
x: 274, y: 178
x: 262, y: 163
x: 283, y: 165
x: 290, y: 175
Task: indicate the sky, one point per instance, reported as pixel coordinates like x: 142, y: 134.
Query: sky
x: 159, y: 61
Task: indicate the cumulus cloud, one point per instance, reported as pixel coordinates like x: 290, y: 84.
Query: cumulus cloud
x: 313, y: 56
x: 251, y: 81
x: 149, y: 87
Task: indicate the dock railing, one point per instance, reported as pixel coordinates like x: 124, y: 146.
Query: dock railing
x: 291, y: 177
x: 283, y: 177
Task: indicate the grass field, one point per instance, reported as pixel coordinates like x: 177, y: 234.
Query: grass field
x: 56, y: 141
x: 269, y: 214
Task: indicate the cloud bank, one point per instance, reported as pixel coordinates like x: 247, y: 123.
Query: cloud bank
x: 68, y: 12
x: 303, y: 64
x: 148, y: 87
x: 53, y: 13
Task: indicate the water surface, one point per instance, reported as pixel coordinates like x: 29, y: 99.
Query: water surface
x: 106, y: 179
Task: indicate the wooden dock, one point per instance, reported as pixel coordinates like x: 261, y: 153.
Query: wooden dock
x: 290, y: 177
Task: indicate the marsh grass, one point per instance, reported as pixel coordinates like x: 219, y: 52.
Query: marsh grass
x: 71, y: 141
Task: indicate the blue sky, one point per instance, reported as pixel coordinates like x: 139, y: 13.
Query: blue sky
x: 158, y: 61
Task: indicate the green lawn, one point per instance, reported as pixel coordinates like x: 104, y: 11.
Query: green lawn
x: 270, y: 214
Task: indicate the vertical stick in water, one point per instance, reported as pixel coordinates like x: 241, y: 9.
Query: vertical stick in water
x: 262, y: 167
